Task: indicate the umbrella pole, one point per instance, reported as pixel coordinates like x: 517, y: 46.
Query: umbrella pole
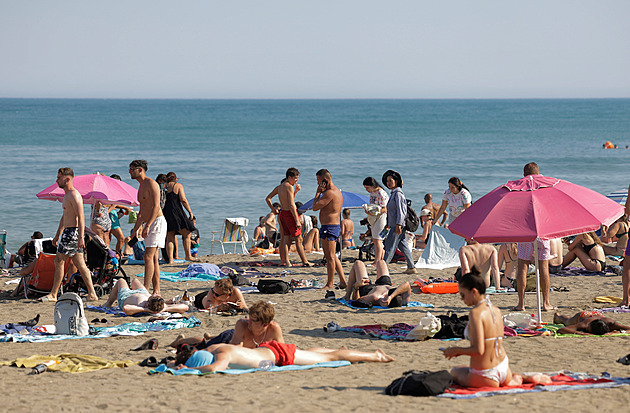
x: 539, y: 314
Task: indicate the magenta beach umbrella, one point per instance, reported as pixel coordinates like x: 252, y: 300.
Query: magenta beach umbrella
x: 535, y: 207
x: 96, y: 187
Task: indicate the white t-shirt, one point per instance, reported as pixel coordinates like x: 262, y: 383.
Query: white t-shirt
x: 456, y: 203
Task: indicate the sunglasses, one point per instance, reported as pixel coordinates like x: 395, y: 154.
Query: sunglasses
x: 215, y: 293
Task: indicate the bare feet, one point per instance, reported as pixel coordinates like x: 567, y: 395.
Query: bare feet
x: 327, y: 287
x: 177, y: 340
x: 549, y: 307
x: 518, y: 308
x: 207, y: 336
x: 343, y: 286
x: 92, y: 298
x: 308, y: 264
x: 384, y: 358
x: 192, y: 259
x: 537, y: 378
x: 556, y: 318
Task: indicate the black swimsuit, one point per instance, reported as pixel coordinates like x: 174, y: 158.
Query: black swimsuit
x: 587, y: 249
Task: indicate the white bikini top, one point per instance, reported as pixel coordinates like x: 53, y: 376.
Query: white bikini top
x: 494, y: 321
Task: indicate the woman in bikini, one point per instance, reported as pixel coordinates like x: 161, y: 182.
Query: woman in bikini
x: 588, y: 249
x: 507, y: 255
x: 619, y: 230
x: 489, y: 364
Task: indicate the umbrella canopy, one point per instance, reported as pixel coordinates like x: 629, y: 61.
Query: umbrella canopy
x: 619, y: 196
x: 535, y: 207
x: 96, y: 187
x: 350, y: 200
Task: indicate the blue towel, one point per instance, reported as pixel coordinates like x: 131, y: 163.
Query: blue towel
x: 409, y: 304
x: 163, y: 369
x: 132, y: 261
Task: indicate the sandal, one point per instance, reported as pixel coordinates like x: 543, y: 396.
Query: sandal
x: 149, y: 362
x: 625, y: 360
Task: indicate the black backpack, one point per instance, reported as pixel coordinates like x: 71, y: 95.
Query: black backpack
x: 274, y: 287
x: 420, y: 383
x: 452, y: 326
x: 412, y: 222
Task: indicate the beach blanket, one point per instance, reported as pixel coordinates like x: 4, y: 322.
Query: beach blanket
x: 555, y: 327
x: 127, y: 329
x: 621, y: 309
x: 608, y: 299
x: 409, y: 304
x: 525, y: 332
x: 177, y: 277
x: 163, y: 369
x: 69, y: 362
x: 442, y: 250
x: 560, y: 381
x: 574, y: 271
x: 132, y: 261
x: 117, y: 311
x: 396, y: 331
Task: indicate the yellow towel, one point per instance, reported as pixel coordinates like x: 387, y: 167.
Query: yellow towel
x: 72, y: 363
x: 608, y: 299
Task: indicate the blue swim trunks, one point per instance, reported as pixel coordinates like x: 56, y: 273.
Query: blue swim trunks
x: 126, y: 292
x: 330, y: 232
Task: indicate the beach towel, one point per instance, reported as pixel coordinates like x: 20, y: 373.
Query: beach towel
x: 608, y: 299
x: 127, y: 329
x: 560, y: 381
x: 409, y: 304
x: 574, y: 271
x: 117, y: 311
x: 396, y: 331
x: 163, y: 369
x: 555, y: 327
x: 69, y: 362
x: 442, y: 250
x: 132, y: 261
x: 621, y: 309
x: 177, y: 277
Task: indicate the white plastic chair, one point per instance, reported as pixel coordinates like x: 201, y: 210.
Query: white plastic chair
x: 233, y: 232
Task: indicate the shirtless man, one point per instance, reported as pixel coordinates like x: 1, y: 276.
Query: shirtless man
x: 69, y: 237
x: 138, y: 300
x: 381, y: 292
x: 290, y: 222
x: 270, y: 223
x: 154, y: 230
x: 434, y: 208
x: 248, y: 332
x: 328, y: 201
x: 484, y: 257
x: 347, y: 229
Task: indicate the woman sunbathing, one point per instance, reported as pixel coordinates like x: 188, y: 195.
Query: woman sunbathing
x: 588, y: 249
x: 222, y: 356
x: 588, y: 322
x: 489, y: 364
x: 619, y: 230
x: 223, y: 296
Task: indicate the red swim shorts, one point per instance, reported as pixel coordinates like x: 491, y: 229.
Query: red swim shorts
x: 284, y: 353
x: 289, y: 226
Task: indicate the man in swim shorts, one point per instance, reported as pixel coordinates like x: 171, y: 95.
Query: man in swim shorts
x: 138, y: 300
x: 382, y: 292
x: 328, y: 201
x: 69, y: 237
x: 154, y: 230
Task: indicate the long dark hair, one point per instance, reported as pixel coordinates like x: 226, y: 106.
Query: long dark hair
x: 369, y: 181
x: 473, y: 280
x: 457, y: 183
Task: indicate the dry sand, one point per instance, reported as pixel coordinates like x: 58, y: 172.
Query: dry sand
x: 302, y: 314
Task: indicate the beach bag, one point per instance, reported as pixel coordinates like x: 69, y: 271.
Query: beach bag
x: 138, y: 251
x: 412, y: 222
x: 420, y: 383
x: 274, y: 287
x: 428, y: 327
x: 452, y: 326
x: 70, y: 316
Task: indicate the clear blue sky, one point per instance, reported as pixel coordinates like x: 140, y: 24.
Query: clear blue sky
x: 315, y: 49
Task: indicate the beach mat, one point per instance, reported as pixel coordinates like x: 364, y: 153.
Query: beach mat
x: 579, y: 271
x: 409, y: 304
x: 561, y: 381
x: 69, y: 362
x: 163, y: 369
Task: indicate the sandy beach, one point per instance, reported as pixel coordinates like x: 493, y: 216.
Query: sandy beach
x: 302, y: 315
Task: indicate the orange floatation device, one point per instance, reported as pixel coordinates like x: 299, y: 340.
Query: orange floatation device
x: 436, y: 287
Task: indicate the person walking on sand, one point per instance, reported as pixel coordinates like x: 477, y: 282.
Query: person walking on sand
x: 154, y: 230
x: 328, y: 201
x: 290, y: 222
x: 69, y: 237
x: 396, y: 213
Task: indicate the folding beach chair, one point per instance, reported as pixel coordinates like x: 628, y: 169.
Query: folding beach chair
x: 3, y: 247
x: 40, y: 281
x: 233, y: 232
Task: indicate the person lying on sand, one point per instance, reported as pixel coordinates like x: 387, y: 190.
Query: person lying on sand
x: 224, y: 296
x: 248, y: 332
x: 489, y: 364
x: 381, y: 292
x: 222, y: 356
x: 138, y: 300
x: 588, y: 322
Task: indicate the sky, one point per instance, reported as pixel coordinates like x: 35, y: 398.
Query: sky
x: 277, y: 49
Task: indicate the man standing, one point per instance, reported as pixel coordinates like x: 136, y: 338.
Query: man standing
x: 328, y: 201
x: 69, y: 237
x: 154, y: 230
x: 290, y: 222
x: 526, y: 254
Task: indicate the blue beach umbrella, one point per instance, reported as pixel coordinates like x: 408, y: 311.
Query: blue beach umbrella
x: 350, y: 200
x: 619, y: 196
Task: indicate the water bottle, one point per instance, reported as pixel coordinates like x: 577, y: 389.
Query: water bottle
x: 265, y: 365
x: 41, y: 368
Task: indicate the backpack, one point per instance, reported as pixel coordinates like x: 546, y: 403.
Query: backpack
x: 274, y: 287
x: 420, y: 383
x: 452, y: 326
x: 138, y: 251
x: 412, y: 222
x: 70, y: 316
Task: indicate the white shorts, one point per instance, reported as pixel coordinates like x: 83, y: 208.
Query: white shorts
x: 377, y: 227
x: 525, y: 250
x: 157, y: 234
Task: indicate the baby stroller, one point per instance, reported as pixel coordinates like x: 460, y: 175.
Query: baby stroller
x: 103, y: 263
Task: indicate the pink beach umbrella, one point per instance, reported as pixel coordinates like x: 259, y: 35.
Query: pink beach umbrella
x: 96, y: 187
x: 535, y: 207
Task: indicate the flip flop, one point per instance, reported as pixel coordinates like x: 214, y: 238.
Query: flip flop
x: 45, y: 299
x: 149, y: 362
x: 151, y: 344
x: 166, y: 359
x: 625, y: 360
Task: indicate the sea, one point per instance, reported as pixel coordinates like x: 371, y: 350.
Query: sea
x: 230, y: 154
